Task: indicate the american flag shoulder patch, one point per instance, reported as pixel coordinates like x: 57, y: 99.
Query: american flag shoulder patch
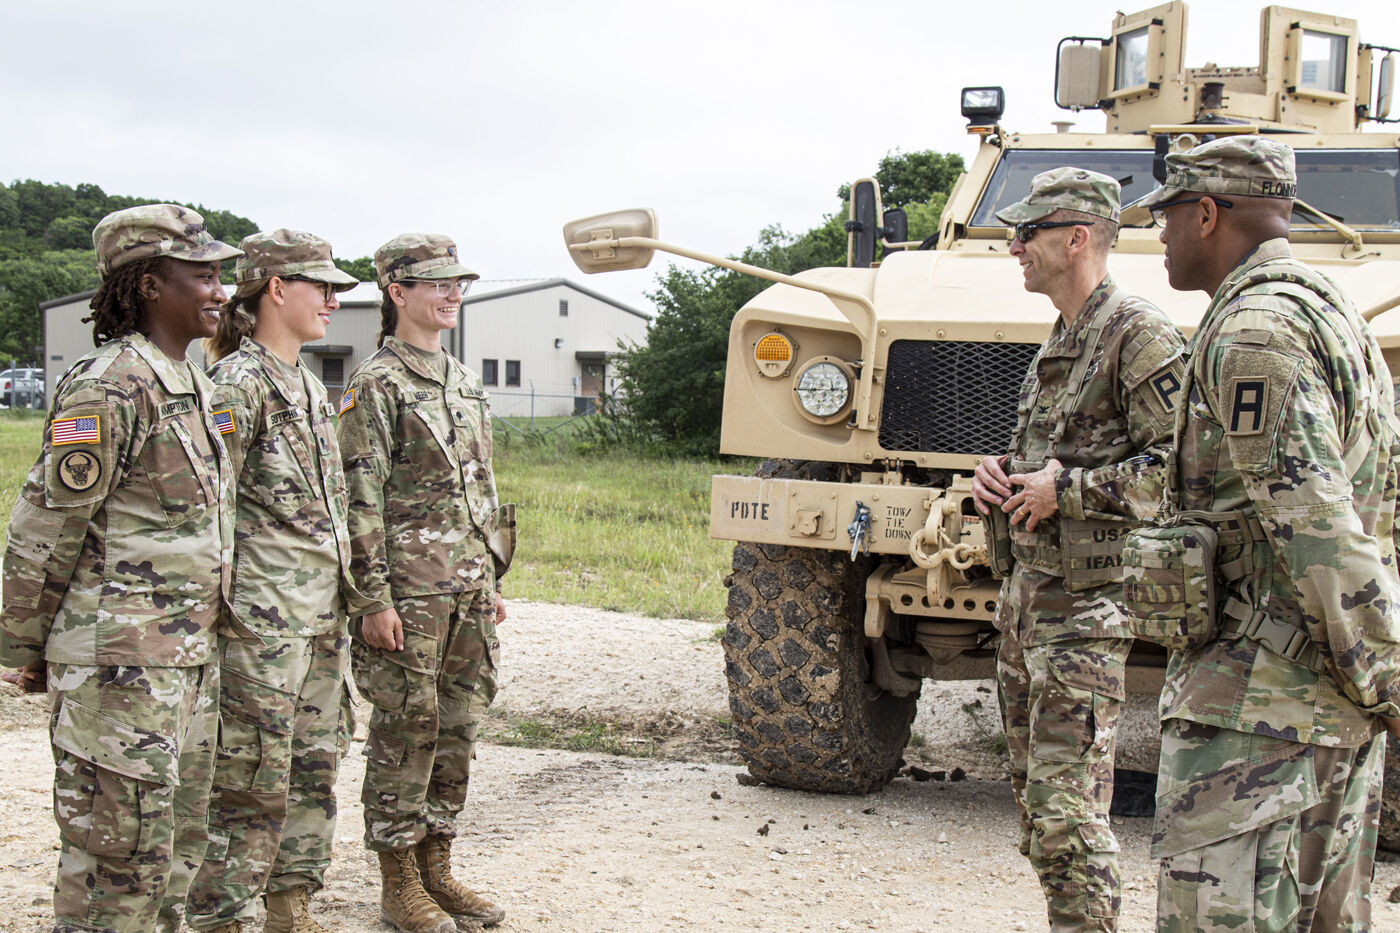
x: 83, y: 429
x: 223, y: 420
x: 347, y: 401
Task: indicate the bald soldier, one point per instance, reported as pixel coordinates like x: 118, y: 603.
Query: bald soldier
x: 1094, y: 414
x: 1268, y: 795
x: 117, y: 573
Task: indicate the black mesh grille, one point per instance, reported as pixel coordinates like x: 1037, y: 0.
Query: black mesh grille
x: 952, y: 398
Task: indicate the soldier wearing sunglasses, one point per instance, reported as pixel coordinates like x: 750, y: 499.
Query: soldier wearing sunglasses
x: 1095, y: 415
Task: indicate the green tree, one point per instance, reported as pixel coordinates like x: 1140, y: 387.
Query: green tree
x: 46, y: 249
x: 674, y: 385
x: 913, y: 177
x: 69, y: 233
x: 361, y: 268
x: 24, y: 283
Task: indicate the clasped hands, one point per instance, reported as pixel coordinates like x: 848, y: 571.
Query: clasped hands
x: 1035, y: 501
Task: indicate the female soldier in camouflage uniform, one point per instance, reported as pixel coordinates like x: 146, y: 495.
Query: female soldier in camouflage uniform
x: 116, y: 573
x: 284, y: 712
x: 415, y: 433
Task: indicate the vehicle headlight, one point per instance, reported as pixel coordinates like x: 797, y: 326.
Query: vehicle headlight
x: 823, y: 389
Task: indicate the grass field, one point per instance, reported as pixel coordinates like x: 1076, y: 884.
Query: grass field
x: 604, y: 530
x: 20, y: 432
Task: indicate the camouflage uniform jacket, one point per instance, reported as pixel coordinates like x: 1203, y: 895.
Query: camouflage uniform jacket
x: 417, y: 452
x: 1285, y: 392
x: 292, y: 542
x: 121, y: 542
x: 1108, y: 436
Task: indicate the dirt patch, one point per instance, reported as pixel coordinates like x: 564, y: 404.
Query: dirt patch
x: 666, y: 837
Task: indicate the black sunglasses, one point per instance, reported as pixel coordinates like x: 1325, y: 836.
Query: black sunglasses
x: 327, y: 289
x: 1159, y: 213
x: 1026, y: 232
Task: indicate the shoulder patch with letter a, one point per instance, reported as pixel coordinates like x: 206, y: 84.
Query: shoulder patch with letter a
x: 1254, y: 388
x: 1166, y: 385
x: 1249, y: 403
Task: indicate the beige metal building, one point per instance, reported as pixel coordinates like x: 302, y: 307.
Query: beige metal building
x: 542, y: 346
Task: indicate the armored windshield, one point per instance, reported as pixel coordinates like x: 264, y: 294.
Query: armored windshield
x: 1360, y: 187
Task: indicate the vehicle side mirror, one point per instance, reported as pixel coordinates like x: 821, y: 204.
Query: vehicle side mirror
x: 896, y: 225
x: 1385, y: 93
x: 864, y: 225
x: 1077, y: 76
x: 592, y: 241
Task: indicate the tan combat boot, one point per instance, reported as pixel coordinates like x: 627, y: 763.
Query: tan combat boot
x: 435, y: 861
x: 233, y: 926
x: 404, y: 904
x: 287, y: 912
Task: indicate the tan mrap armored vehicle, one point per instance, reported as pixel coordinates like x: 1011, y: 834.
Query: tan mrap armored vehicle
x: 860, y: 566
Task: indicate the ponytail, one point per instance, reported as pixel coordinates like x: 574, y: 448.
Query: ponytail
x: 388, y: 317
x: 237, y: 319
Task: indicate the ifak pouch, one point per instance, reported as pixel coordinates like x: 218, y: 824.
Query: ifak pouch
x: 1169, y: 585
x: 998, y: 533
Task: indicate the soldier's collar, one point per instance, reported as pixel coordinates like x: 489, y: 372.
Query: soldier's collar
x: 284, y: 378
x: 1267, y: 251
x: 413, y: 358
x: 176, y: 376
x: 1070, y: 337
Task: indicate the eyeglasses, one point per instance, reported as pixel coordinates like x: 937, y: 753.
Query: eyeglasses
x: 1026, y: 232
x: 326, y: 289
x: 1159, y: 213
x: 444, y: 287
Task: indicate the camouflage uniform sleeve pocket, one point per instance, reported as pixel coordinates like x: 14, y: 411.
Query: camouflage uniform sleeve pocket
x: 33, y: 535
x: 80, y: 455
x: 1254, y: 386
x: 114, y: 784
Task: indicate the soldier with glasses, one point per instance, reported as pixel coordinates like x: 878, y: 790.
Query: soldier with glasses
x: 1094, y: 418
x: 285, y: 715
x: 428, y: 542
x: 1277, y: 699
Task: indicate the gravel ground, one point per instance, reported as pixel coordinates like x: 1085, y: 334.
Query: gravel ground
x: 570, y: 841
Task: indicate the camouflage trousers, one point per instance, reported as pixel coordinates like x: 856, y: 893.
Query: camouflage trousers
x: 133, y: 758
x: 1060, y: 703
x: 427, y: 702
x: 1258, y: 834
x: 285, y: 724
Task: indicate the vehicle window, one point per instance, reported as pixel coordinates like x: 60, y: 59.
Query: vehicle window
x: 1360, y: 187
x: 1011, y: 180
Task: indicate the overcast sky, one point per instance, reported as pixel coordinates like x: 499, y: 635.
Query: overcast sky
x: 497, y: 122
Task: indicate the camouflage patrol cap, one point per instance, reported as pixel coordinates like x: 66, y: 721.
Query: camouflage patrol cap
x: 419, y: 256
x: 286, y: 253
x: 149, y: 230
x: 1248, y: 166
x: 1068, y: 188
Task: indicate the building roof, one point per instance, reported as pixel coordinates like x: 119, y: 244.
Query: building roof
x: 67, y: 299
x: 367, y: 293
x: 487, y: 289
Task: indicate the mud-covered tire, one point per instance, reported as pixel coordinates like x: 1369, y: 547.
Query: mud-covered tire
x: 1390, y: 798
x: 805, y: 712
